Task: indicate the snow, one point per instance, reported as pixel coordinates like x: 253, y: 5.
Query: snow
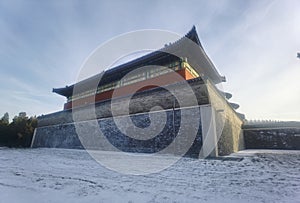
x: 64, y: 175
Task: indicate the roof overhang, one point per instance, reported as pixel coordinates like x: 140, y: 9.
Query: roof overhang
x: 188, y: 47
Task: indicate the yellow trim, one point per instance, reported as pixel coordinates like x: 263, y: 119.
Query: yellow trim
x: 190, y: 69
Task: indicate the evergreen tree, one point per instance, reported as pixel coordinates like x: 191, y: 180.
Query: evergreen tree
x: 19, y: 132
x: 5, y: 119
x: 5, y: 133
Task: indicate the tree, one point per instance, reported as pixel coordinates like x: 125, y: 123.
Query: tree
x: 5, y: 132
x: 19, y: 132
x: 5, y: 119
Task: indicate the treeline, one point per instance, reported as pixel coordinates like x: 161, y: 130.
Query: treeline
x: 17, y: 133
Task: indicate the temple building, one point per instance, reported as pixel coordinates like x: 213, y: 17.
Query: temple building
x: 113, y: 78
x: 149, y: 87
x: 155, y: 74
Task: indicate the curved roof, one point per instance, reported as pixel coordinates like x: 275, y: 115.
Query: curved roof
x: 183, y: 47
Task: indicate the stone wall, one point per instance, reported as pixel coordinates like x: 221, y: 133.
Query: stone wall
x: 140, y: 102
x: 228, y: 122
x: 272, y: 138
x: 66, y: 136
x: 58, y: 129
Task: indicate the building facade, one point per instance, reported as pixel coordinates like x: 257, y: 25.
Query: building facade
x: 219, y: 124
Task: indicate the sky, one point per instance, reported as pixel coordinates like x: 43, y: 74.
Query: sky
x: 253, y: 43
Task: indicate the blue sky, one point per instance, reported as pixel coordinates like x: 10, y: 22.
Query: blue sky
x: 252, y: 43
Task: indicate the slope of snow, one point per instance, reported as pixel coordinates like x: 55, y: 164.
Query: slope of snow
x: 60, y: 175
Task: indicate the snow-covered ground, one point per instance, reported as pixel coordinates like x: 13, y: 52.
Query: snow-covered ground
x: 58, y: 175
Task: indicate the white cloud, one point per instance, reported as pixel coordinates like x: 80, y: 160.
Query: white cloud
x: 253, y: 43
x: 259, y: 59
